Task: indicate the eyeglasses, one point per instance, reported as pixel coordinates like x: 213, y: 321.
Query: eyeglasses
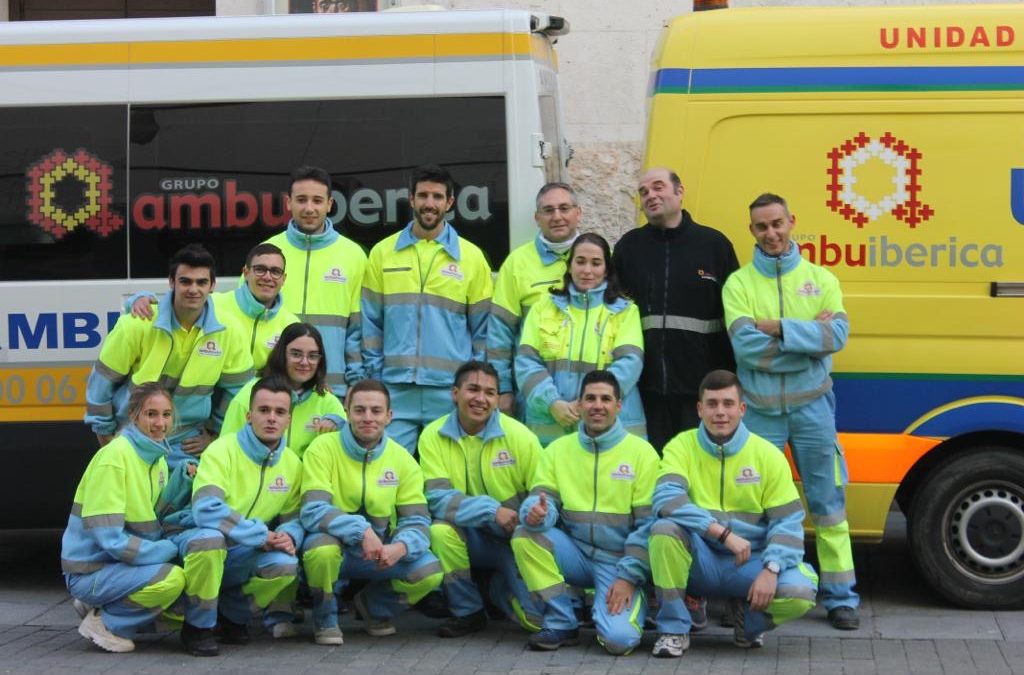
x: 263, y: 270
x: 297, y: 356
x: 564, y: 209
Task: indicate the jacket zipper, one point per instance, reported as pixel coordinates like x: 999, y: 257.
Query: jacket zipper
x: 255, y: 324
x: 664, y: 319
x: 586, y: 319
x: 362, y: 496
x: 593, y: 508
x: 305, y: 276
x: 782, y: 314
x: 259, y: 491
x: 721, y: 480
x: 419, y: 300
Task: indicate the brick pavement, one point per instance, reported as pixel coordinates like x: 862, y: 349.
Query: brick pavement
x: 904, y: 630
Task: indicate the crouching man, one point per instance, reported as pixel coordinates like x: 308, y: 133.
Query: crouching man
x: 730, y: 525
x: 240, y: 553
x: 367, y: 518
x: 598, y: 484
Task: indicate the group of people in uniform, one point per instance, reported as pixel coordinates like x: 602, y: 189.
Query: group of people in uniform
x: 592, y: 431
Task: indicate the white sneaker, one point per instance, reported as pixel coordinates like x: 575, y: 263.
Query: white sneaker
x: 284, y: 630
x: 329, y: 636
x: 739, y: 634
x: 92, y: 628
x: 81, y: 608
x: 671, y: 645
x: 375, y: 627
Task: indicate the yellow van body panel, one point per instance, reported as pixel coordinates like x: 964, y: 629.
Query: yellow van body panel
x: 897, y: 137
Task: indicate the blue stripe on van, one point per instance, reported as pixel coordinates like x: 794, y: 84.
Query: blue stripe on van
x: 890, y: 403
x: 874, y: 78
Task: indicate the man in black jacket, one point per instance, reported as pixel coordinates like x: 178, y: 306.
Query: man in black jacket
x: 674, y: 270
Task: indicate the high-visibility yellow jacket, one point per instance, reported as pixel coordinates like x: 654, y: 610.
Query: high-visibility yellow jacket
x: 601, y: 488
x: 469, y: 476
x: 322, y: 287
x: 425, y: 306
x: 349, y: 488
x: 780, y: 374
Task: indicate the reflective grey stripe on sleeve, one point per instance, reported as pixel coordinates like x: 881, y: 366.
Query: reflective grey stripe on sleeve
x: 438, y: 484
x: 317, y: 496
x: 783, y: 510
x: 505, y: 316
x: 236, y: 378
x: 788, y: 541
x: 331, y: 320
x: 99, y: 410
x: 674, y: 478
x: 740, y: 323
x: 208, y: 491
x: 106, y: 520
x: 109, y: 373
x: 626, y: 350
x: 198, y: 390
x: 409, y: 510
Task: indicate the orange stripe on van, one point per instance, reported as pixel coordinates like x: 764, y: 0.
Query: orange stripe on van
x: 879, y: 458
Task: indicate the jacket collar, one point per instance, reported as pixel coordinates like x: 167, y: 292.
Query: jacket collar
x: 730, y: 448
x: 448, y: 239
x: 685, y: 225
x: 322, y: 239
x: 592, y: 298
x: 766, y: 264
x: 167, y: 321
x: 451, y: 428
x: 605, y: 441
x: 547, y: 256
x: 357, y: 452
x: 255, y: 449
x: 145, y: 447
x: 252, y: 307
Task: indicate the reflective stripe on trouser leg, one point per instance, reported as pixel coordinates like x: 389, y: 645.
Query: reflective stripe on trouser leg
x: 203, y: 552
x: 131, y: 596
x: 794, y: 595
x: 321, y: 560
x: 395, y: 588
x: 618, y: 633
x: 536, y: 558
x: 448, y: 543
x: 669, y: 551
x: 252, y: 579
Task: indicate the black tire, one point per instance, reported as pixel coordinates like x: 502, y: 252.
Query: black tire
x: 966, y: 529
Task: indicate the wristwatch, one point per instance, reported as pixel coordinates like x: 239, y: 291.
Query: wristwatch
x: 773, y: 567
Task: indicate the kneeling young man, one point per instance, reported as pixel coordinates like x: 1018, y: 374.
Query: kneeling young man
x: 358, y: 482
x: 730, y: 525
x: 478, y: 464
x: 240, y: 554
x: 598, y: 483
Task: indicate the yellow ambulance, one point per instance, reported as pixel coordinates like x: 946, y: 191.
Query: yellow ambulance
x: 897, y: 137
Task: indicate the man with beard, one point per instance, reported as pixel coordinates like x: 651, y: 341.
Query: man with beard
x: 426, y: 295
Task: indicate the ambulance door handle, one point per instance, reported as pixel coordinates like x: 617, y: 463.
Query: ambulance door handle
x: 1007, y: 289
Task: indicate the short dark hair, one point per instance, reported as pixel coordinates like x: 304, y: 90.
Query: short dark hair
x: 469, y: 367
x: 192, y: 255
x: 613, y: 291
x: 718, y: 380
x: 432, y: 173
x: 369, y: 384
x: 602, y: 377
x: 266, y: 248
x: 310, y: 173
x: 548, y: 187
x: 674, y: 177
x: 278, y: 359
x: 274, y: 383
x: 767, y: 199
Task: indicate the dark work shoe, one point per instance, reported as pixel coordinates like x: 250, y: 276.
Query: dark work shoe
x: 698, y: 609
x: 457, y: 626
x: 844, y: 618
x: 549, y: 639
x: 232, y: 633
x: 433, y: 605
x: 198, y: 641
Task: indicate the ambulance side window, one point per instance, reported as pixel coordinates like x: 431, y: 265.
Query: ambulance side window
x: 63, y: 193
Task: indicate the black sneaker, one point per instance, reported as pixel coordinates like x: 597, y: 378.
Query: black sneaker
x: 198, y: 641
x: 433, y: 606
x: 457, y: 626
x: 549, y: 639
x: 844, y: 618
x: 232, y: 633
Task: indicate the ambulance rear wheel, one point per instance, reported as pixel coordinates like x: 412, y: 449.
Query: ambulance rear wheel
x: 966, y: 529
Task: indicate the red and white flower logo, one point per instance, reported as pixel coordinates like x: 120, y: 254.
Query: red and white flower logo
x: 903, y: 202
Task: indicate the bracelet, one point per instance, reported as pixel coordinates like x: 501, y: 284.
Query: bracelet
x: 725, y: 535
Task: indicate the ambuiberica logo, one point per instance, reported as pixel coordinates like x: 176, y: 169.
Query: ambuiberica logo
x: 879, y: 184
x: 60, y: 216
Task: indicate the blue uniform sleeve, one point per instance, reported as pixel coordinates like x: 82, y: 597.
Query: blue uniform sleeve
x: 759, y: 351
x: 320, y: 515
x: 552, y: 517
x: 501, y: 342
x: 178, y: 492
x: 532, y: 376
x: 815, y: 338
x: 672, y: 501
